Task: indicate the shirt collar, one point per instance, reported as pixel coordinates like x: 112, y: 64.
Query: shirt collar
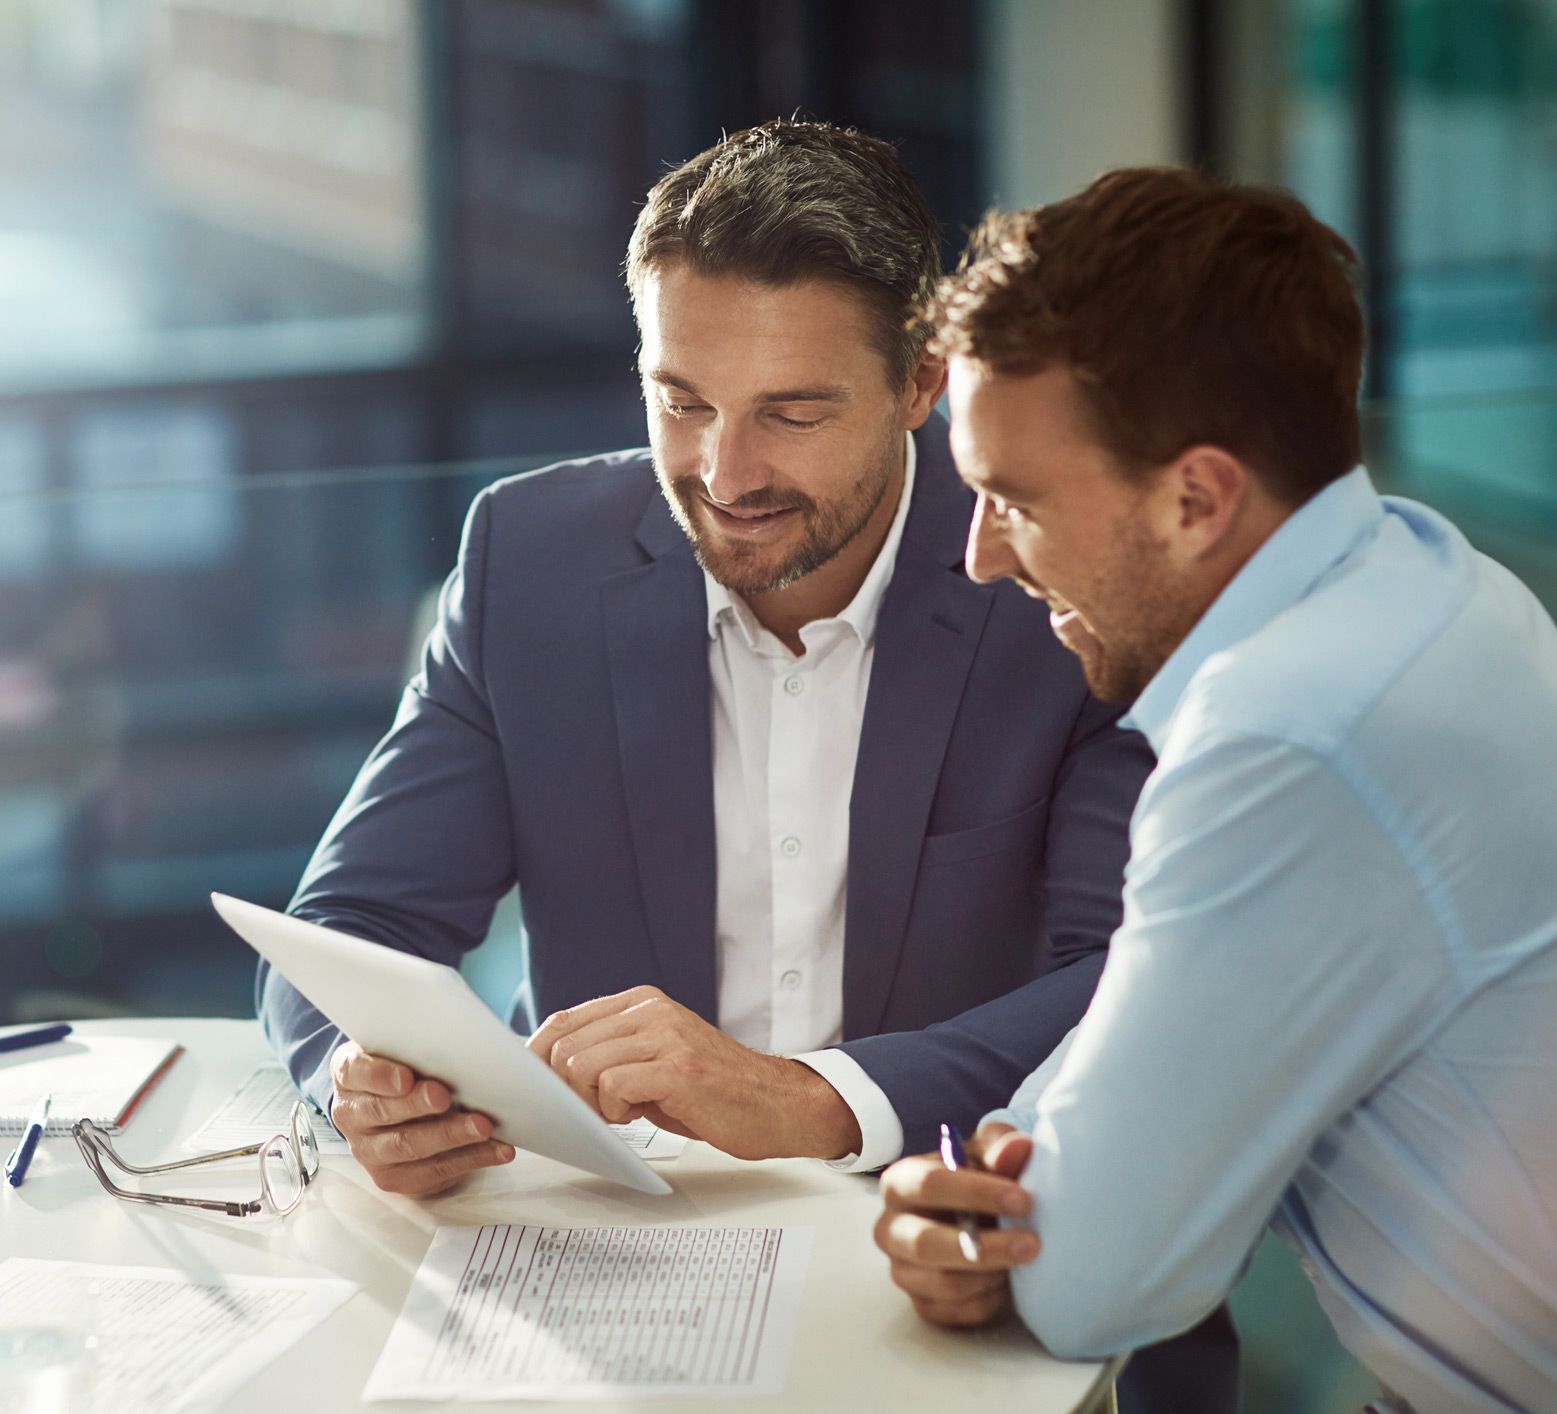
x: 1285, y: 569
x: 860, y: 614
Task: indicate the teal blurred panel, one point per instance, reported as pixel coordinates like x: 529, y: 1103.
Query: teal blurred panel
x: 1292, y: 1362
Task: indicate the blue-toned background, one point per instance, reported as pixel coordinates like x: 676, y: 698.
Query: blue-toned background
x: 284, y: 282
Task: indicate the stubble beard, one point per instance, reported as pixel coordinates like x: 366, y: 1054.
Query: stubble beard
x: 829, y: 526
x: 1118, y: 669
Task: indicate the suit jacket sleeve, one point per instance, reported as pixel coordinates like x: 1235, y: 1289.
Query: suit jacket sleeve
x: 960, y: 1069
x: 421, y: 849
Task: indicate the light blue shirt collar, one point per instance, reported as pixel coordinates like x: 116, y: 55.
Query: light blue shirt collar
x: 1303, y: 549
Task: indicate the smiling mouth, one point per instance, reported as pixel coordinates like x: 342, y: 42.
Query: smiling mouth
x: 748, y: 520
x: 1063, y: 615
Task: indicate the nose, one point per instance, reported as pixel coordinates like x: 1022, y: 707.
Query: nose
x: 988, y: 556
x: 731, y: 466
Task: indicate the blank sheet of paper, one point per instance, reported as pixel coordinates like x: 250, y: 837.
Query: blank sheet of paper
x: 515, y: 1312
x: 161, y: 1341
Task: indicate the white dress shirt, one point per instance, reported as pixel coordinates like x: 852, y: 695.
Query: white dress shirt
x: 786, y: 730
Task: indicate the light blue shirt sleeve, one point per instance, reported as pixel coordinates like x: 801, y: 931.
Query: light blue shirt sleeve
x: 1022, y: 1110
x: 1277, y: 958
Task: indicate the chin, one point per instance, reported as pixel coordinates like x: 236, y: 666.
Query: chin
x: 742, y: 574
x: 1107, y: 682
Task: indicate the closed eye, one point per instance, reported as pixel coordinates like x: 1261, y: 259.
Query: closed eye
x: 1008, y: 512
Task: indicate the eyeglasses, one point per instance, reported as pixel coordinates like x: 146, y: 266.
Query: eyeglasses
x: 288, y: 1163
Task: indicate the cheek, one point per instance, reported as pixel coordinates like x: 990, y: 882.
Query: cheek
x: 675, y: 443
x: 1032, y: 551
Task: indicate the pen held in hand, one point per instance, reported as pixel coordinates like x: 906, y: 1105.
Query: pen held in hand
x: 953, y: 1156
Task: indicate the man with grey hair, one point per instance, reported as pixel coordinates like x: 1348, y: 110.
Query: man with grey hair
x: 819, y: 844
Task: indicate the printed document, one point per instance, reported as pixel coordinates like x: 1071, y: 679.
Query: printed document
x: 260, y: 1107
x: 511, y: 1311
x: 649, y: 1141
x: 156, y: 1341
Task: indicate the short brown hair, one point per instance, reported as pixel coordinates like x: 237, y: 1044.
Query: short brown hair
x: 1189, y: 311
x: 789, y: 201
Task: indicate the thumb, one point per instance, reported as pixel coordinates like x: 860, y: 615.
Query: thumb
x: 1008, y: 1154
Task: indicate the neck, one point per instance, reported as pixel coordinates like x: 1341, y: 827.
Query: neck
x: 827, y: 592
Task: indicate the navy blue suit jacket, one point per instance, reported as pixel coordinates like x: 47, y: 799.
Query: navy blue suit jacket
x: 558, y: 735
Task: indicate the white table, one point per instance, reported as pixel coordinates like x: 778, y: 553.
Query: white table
x: 858, y: 1346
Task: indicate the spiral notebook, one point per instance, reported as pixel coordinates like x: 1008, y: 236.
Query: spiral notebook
x: 101, y: 1078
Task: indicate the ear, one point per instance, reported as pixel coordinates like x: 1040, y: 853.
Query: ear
x: 1202, y: 496
x: 923, y: 389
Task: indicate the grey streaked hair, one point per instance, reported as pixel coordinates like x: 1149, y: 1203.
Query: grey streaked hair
x: 788, y: 201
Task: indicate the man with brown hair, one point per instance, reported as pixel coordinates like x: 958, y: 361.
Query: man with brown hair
x: 1330, y: 1004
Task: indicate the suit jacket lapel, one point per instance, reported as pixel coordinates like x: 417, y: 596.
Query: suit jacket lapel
x: 658, y: 652
x: 927, y: 635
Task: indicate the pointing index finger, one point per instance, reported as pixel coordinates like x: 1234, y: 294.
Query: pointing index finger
x: 564, y: 1023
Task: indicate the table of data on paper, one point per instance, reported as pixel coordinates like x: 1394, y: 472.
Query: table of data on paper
x: 561, y: 1310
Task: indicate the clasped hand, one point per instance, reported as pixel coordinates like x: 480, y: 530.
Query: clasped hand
x: 639, y: 1053
x: 921, y: 1202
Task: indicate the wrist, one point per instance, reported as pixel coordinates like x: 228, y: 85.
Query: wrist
x: 820, y: 1124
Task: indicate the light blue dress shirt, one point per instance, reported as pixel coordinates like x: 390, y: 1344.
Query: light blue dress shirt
x: 1332, y: 1003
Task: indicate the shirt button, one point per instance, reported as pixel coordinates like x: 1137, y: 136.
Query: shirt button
x: 794, y: 684
x: 790, y: 979
x: 789, y: 846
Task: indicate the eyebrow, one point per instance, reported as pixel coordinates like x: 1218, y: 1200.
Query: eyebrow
x: 814, y: 393
x: 991, y: 485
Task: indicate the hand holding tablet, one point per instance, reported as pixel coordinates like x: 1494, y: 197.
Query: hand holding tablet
x: 424, y: 1015
x: 405, y: 1129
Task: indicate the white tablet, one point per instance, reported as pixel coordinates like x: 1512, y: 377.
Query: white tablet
x: 424, y: 1015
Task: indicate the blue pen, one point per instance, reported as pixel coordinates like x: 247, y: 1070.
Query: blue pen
x: 21, y: 1156
x: 39, y: 1037
x: 954, y: 1158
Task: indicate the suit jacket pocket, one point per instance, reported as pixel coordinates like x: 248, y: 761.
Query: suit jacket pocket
x: 1023, y: 831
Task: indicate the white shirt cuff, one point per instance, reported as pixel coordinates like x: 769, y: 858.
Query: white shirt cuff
x: 881, y: 1131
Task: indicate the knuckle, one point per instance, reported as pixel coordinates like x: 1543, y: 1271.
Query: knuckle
x: 685, y: 1064
x: 401, y: 1148
x: 386, y: 1179
x: 927, y: 1310
x: 888, y: 1237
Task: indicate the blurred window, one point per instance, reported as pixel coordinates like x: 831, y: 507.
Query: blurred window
x: 1468, y: 288
x: 193, y: 188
